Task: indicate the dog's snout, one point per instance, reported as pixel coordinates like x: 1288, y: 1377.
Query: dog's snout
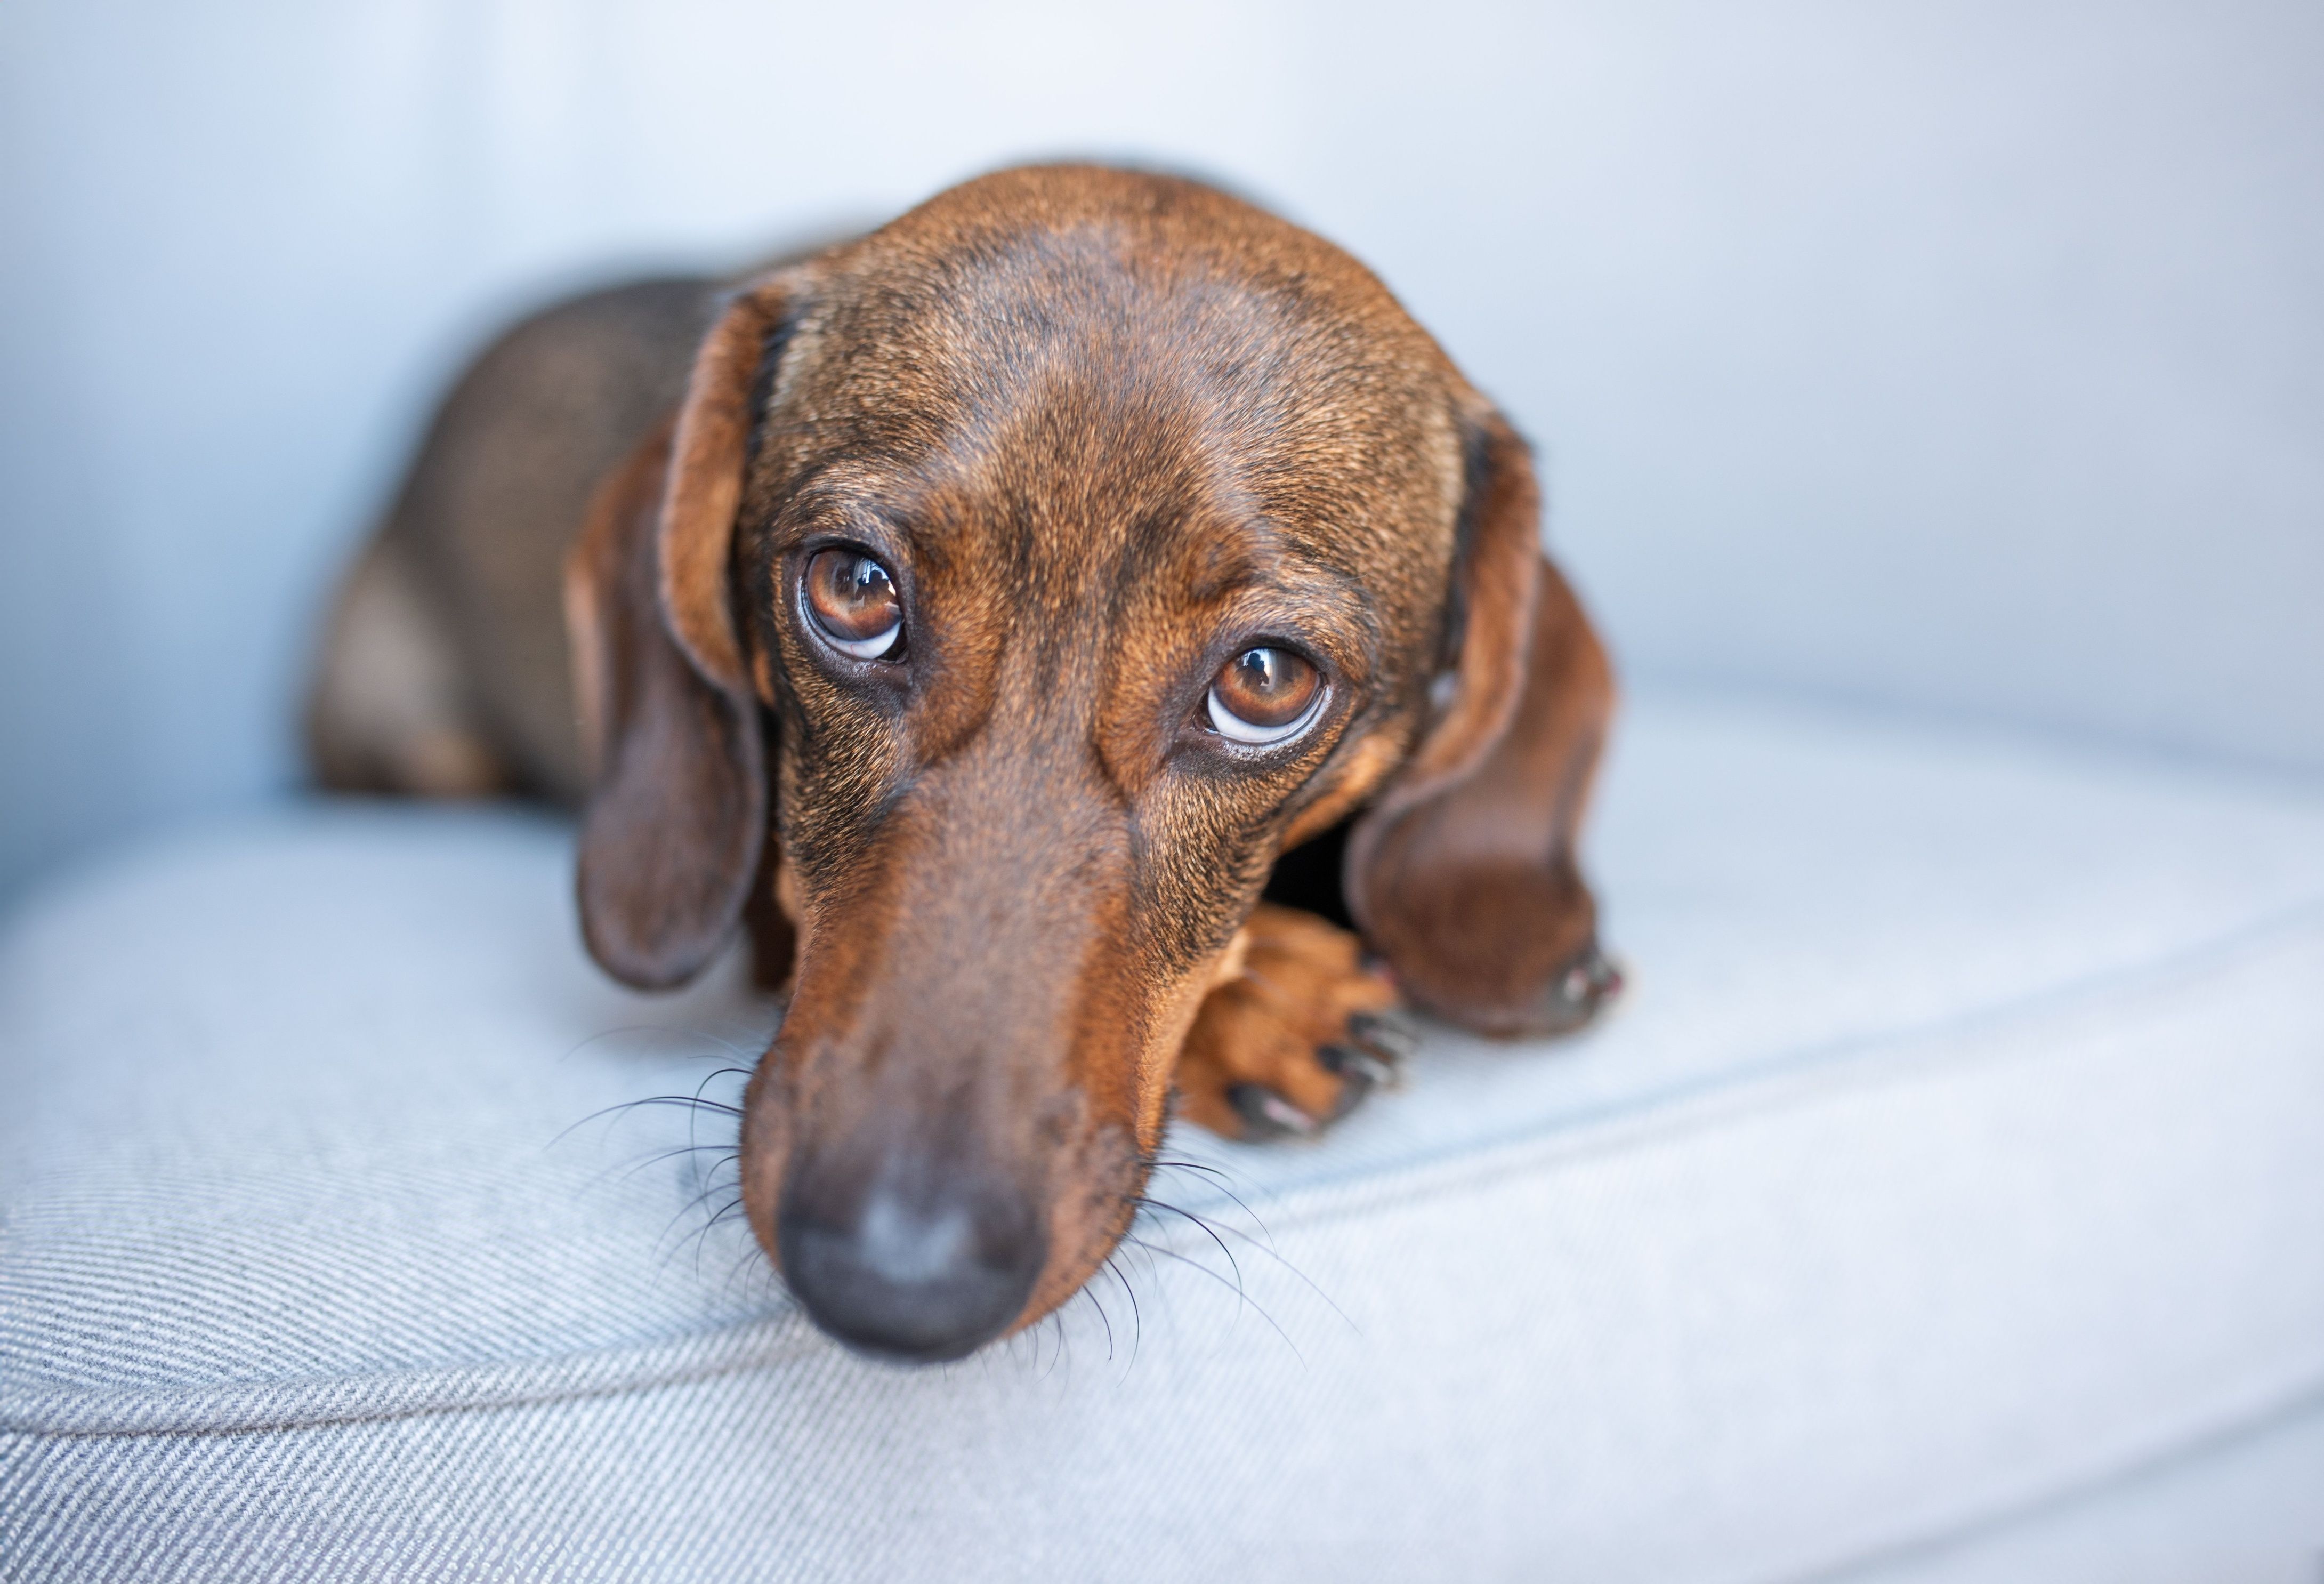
x: 919, y: 1272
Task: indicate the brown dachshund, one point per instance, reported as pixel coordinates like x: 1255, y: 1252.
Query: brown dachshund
x: 987, y: 616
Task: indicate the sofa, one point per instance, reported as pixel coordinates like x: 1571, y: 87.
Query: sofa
x: 1945, y: 1201
x: 1929, y: 410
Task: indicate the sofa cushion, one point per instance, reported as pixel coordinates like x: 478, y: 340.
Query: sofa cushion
x: 1963, y: 1140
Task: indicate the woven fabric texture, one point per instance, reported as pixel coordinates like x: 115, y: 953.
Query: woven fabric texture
x: 1962, y: 1144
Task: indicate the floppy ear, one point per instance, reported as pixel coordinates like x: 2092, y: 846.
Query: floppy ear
x: 676, y: 814
x: 1462, y: 872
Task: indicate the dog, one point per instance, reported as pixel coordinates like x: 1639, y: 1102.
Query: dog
x: 1093, y: 638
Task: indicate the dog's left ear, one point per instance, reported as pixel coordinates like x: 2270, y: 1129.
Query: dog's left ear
x: 1462, y: 872
x: 677, y: 815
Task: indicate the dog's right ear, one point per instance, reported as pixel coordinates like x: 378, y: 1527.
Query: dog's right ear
x: 671, y: 729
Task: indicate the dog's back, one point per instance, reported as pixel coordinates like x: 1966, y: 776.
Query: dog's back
x: 444, y: 671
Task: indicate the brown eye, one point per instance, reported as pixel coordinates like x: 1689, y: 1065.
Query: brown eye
x: 854, y: 601
x: 1264, y: 696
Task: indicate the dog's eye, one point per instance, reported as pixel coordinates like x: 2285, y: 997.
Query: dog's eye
x: 1265, y: 695
x: 853, y: 601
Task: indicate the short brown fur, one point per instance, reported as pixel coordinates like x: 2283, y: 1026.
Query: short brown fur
x: 1107, y: 429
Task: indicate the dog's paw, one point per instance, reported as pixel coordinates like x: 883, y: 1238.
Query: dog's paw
x: 1297, y: 1039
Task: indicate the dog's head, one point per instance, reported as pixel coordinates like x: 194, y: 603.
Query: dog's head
x: 1033, y: 571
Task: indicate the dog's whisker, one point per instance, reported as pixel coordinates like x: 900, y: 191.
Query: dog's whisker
x: 691, y: 1100
x: 730, y: 1047
x: 1054, y: 1325
x: 709, y: 1189
x: 651, y: 1158
x: 695, y: 1116
x: 1221, y: 1183
x: 703, y: 1236
x: 1266, y: 1246
x: 750, y: 1255
x: 1153, y: 1271
x: 703, y: 1182
x: 723, y: 1072
x: 698, y: 1235
x: 1302, y: 1276
x: 660, y: 1030
x: 658, y: 1156
x: 734, y: 1272
x: 1218, y: 1172
x: 1206, y: 1226
x: 1241, y: 1297
x: 1104, y: 1319
x: 1137, y: 1320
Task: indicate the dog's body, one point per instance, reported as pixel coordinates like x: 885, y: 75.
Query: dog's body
x: 982, y: 608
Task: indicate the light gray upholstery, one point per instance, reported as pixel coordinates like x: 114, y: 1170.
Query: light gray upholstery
x: 2235, y: 1509
x: 1961, y: 1147
x: 1946, y: 1203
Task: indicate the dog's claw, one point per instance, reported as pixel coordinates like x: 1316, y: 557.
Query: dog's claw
x: 1298, y: 1039
x: 1591, y: 983
x: 1357, y: 1078
x: 1390, y: 1035
x: 1268, y: 1114
x: 1355, y: 1067
x: 1593, y: 980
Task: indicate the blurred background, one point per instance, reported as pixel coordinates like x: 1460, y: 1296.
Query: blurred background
x: 1850, y: 333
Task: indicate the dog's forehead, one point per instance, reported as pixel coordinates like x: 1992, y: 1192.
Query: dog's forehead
x: 1101, y: 360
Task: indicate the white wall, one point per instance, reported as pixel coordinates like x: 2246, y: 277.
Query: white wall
x: 1967, y: 356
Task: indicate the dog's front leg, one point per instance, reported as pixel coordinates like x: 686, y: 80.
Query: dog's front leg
x: 1298, y: 1030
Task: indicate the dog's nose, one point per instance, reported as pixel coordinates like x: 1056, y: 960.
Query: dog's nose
x: 922, y: 1275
